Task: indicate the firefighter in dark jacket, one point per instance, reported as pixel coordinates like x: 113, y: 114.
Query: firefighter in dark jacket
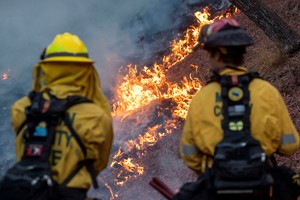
x: 271, y: 125
x: 65, y: 69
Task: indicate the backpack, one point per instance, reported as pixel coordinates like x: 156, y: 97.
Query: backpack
x: 240, y: 167
x: 30, y: 178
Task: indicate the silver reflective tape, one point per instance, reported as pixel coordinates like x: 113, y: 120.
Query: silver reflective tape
x: 189, y: 150
x: 288, y: 139
x: 236, y: 110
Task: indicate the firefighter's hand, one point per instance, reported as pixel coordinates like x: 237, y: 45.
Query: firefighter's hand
x: 296, y: 178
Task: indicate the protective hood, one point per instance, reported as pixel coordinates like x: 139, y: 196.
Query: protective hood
x: 70, y: 78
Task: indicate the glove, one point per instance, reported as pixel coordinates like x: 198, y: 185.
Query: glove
x: 296, y: 179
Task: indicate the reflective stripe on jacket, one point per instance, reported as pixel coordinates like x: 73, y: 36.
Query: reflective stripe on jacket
x: 270, y: 122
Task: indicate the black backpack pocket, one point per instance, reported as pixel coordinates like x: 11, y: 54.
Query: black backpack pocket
x: 27, y: 181
x: 240, y: 166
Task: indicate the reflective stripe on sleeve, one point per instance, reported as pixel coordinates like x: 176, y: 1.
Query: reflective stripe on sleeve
x: 189, y: 150
x: 288, y: 139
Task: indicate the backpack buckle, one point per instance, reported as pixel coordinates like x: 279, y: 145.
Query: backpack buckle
x: 44, y: 178
x: 48, y: 179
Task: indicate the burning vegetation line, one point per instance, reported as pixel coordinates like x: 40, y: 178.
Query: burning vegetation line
x: 129, y: 167
x: 139, y: 87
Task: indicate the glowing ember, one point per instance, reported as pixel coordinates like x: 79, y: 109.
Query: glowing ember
x: 4, y: 76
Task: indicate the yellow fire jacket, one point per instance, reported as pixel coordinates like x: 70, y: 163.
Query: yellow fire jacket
x: 270, y: 122
x: 92, y: 125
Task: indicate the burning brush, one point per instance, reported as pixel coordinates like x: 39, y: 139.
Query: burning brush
x: 145, y: 87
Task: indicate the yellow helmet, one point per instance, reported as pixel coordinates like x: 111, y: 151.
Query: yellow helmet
x: 66, y: 47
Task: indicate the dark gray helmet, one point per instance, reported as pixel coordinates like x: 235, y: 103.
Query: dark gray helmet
x: 225, y: 32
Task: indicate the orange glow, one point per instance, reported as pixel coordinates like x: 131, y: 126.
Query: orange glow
x: 139, y: 87
x: 112, y: 195
x: 4, y: 76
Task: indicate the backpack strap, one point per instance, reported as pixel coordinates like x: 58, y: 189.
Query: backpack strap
x: 215, y: 77
x: 239, y: 164
x: 88, y: 163
x: 235, y: 96
x: 236, y: 109
x: 41, y: 123
x: 52, y: 112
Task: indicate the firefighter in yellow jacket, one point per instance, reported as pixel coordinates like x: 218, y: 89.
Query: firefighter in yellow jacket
x: 260, y: 112
x: 65, y: 69
x: 270, y: 123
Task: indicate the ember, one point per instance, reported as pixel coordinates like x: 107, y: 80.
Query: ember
x: 4, y: 76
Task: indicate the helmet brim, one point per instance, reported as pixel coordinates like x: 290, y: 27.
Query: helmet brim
x: 67, y: 59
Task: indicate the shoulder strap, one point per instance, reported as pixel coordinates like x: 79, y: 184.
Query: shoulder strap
x: 41, y: 123
x: 236, y: 109
x: 215, y: 77
x: 71, y: 101
x: 52, y: 112
x: 31, y: 97
x: 235, y: 96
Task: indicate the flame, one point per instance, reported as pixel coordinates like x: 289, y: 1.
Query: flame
x: 4, y: 76
x: 131, y: 167
x: 150, y: 138
x: 140, y: 86
x: 112, y: 195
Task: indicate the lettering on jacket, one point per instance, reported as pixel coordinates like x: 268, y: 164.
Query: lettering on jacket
x: 62, y: 141
x: 218, y: 108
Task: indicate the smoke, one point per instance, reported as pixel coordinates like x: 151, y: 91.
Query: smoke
x: 126, y: 32
x: 114, y: 31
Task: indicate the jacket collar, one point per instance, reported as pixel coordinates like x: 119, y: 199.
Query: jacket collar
x: 230, y: 70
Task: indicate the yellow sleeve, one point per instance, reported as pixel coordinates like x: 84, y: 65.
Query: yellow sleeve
x: 189, y: 152
x: 99, y: 140
x: 289, y: 142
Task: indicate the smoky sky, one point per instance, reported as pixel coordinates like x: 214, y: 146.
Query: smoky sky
x: 109, y: 28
